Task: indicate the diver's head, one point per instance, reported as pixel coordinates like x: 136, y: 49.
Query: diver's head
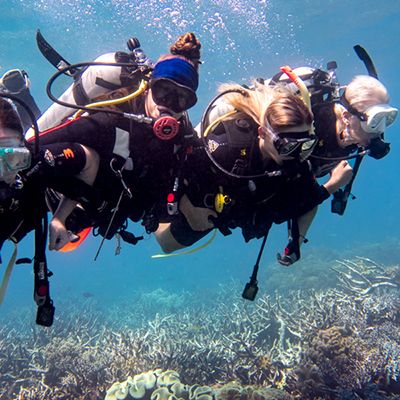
x: 367, y: 113
x: 173, y: 87
x: 14, y: 156
x: 175, y: 79
x: 285, y: 129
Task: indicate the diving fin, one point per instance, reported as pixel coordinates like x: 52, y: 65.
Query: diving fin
x: 53, y: 56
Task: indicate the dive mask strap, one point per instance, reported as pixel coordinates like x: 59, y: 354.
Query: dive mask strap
x: 345, y: 103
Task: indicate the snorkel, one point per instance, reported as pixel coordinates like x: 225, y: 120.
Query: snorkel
x: 304, y: 93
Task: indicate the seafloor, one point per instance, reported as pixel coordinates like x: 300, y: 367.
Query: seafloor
x: 340, y: 341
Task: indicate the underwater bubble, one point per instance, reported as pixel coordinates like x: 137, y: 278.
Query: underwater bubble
x: 264, y: 28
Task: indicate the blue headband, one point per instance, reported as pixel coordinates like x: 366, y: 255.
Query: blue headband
x: 179, y: 71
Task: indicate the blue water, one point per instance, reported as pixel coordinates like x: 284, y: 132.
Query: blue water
x: 240, y: 39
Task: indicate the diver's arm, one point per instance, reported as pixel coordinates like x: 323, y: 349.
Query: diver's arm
x: 96, y: 131
x: 340, y: 176
x: 197, y: 217
x: 59, y: 236
x: 185, y: 229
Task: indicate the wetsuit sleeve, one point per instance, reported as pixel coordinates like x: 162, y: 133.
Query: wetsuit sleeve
x: 297, y: 198
x: 97, y: 131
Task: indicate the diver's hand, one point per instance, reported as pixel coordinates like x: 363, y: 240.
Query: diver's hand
x: 197, y: 217
x: 59, y: 236
x: 200, y: 219
x: 340, y: 176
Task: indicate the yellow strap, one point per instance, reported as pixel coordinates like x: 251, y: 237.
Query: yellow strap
x: 184, y: 253
x: 138, y: 92
x: 7, y: 274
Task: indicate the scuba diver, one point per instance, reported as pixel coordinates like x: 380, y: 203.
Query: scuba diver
x: 350, y: 123
x: 140, y: 144
x: 25, y: 173
x: 249, y: 168
x: 115, y: 164
x: 24, y: 177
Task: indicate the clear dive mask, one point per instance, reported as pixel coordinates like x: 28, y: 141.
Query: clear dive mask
x: 377, y: 118
x: 14, y: 81
x: 14, y: 159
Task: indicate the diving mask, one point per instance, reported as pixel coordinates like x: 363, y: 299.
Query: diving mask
x: 377, y: 118
x: 14, y: 159
x: 170, y: 94
x: 15, y: 81
x: 296, y: 144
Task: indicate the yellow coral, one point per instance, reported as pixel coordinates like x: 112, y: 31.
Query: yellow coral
x: 168, y: 378
x: 161, y: 393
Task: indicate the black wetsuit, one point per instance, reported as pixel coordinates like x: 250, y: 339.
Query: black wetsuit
x: 24, y: 201
x: 148, y: 174
x: 255, y: 203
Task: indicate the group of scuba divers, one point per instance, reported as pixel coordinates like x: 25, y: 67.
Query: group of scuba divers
x: 118, y: 145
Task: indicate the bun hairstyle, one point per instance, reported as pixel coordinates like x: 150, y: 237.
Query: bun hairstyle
x: 187, y: 46
x: 9, y: 117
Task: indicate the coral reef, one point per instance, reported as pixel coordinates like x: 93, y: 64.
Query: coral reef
x: 335, y: 343
x: 166, y: 385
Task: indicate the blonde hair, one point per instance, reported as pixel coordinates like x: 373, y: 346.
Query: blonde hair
x: 365, y: 91
x: 276, y: 106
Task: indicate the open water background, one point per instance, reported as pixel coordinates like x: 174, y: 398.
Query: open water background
x: 241, y: 39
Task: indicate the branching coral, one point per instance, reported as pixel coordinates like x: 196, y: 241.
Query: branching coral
x: 166, y: 385
x: 304, y: 342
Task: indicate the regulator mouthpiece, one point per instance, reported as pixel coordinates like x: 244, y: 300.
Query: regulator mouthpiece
x: 166, y: 127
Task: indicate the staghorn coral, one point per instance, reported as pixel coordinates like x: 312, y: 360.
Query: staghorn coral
x: 272, y: 342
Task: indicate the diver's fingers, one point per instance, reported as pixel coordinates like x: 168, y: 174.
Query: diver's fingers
x: 58, y: 235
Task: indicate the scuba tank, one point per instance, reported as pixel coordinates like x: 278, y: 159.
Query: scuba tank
x: 92, y: 81
x: 322, y: 85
